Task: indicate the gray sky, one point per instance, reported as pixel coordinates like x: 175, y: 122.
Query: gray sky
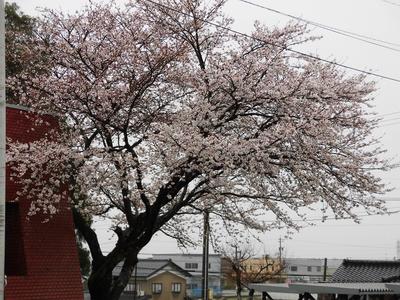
x: 376, y: 236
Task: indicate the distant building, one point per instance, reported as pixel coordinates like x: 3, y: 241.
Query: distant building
x: 41, y: 259
x: 158, y: 279
x: 309, y: 269
x: 192, y: 263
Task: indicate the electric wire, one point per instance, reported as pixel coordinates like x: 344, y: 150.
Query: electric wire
x: 392, y: 3
x: 349, y: 34
x: 389, y: 114
x: 389, y: 120
x: 390, y: 124
x: 278, y: 46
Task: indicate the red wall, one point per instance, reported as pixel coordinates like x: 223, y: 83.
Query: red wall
x: 50, y: 252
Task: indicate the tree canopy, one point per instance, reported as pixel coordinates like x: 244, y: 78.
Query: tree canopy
x: 164, y: 115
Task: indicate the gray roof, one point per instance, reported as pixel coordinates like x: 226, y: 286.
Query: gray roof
x: 147, y: 267
x: 367, y: 271
x: 349, y: 288
x: 369, y: 288
x: 393, y: 286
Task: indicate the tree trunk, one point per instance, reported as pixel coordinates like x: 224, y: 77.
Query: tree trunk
x: 100, y: 284
x: 251, y: 294
x: 238, y: 285
x: 103, y: 285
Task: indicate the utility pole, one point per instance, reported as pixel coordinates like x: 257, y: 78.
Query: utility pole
x: 2, y: 147
x: 280, y: 258
x: 325, y: 267
x: 206, y: 237
x: 238, y: 271
x: 280, y: 251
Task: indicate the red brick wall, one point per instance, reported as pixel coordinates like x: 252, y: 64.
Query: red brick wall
x: 51, y: 257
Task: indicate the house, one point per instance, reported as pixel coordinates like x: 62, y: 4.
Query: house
x: 41, y: 258
x: 157, y: 279
x: 192, y: 263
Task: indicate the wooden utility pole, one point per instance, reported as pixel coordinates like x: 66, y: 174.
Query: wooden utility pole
x: 325, y: 267
x: 206, y: 237
x: 2, y: 147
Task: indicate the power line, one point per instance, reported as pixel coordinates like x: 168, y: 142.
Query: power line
x: 389, y: 114
x: 390, y: 124
x: 278, y: 46
x: 392, y: 3
x: 389, y: 120
x: 342, y: 245
x: 346, y: 218
x: 349, y: 34
x: 361, y: 225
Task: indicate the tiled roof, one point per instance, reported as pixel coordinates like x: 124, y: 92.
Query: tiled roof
x: 146, y: 267
x: 345, y: 288
x: 367, y: 271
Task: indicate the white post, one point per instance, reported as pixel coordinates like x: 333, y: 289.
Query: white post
x: 2, y: 146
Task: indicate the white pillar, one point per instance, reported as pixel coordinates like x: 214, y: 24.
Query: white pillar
x: 2, y: 146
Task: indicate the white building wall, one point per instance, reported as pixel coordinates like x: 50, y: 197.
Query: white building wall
x: 309, y: 269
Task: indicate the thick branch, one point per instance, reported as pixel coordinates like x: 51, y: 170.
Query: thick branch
x: 88, y: 233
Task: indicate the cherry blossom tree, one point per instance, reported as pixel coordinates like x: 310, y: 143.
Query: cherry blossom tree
x: 163, y: 115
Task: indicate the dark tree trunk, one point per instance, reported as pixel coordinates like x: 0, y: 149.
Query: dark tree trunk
x: 103, y: 285
x: 238, y: 285
x: 100, y: 285
x: 251, y: 294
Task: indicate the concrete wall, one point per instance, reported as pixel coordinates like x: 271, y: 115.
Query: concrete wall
x: 309, y: 269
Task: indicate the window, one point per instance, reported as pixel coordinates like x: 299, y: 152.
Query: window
x: 156, y: 288
x: 318, y: 268
x: 309, y: 269
x: 293, y: 268
x: 176, y: 287
x: 130, y: 288
x: 191, y: 286
x: 14, y: 246
x: 191, y: 266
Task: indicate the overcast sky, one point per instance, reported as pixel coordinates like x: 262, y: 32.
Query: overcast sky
x: 376, y: 236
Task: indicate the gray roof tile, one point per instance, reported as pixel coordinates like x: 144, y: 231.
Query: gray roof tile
x: 367, y: 271
x: 146, y: 267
